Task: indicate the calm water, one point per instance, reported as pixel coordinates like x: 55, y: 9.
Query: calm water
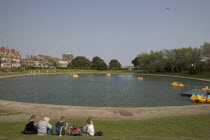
x: 96, y: 90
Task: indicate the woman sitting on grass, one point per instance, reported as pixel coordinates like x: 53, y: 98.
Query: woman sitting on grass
x: 30, y: 127
x: 89, y: 129
x: 44, y: 127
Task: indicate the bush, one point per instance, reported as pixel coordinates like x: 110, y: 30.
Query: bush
x: 62, y: 68
x: 3, y: 70
x: 192, y: 70
x: 136, y: 69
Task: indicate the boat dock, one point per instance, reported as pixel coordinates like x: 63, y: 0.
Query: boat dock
x: 198, y: 91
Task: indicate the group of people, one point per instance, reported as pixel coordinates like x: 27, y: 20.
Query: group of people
x: 43, y: 127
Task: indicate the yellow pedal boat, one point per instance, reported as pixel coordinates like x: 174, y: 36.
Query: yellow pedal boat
x: 194, y: 97
x: 108, y: 74
x: 140, y: 78
x: 206, y: 88
x: 75, y: 75
x: 177, y: 84
x: 208, y: 99
x: 202, y: 98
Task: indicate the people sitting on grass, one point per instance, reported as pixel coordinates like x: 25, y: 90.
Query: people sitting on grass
x: 61, y: 126
x: 44, y: 127
x: 89, y: 129
x: 74, y: 131
x: 30, y: 127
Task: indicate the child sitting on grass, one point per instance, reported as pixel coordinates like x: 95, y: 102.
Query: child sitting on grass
x: 74, y: 131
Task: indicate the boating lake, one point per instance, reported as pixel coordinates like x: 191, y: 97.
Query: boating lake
x: 97, y: 90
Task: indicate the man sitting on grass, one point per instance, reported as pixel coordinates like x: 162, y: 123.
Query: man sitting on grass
x: 61, y: 126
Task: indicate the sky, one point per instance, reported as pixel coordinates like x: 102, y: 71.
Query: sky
x: 110, y: 29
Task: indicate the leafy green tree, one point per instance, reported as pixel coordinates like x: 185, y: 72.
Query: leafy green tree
x: 80, y: 62
x: 51, y: 61
x: 169, y: 58
x: 188, y: 59
x: 157, y: 61
x: 99, y: 63
x: 136, y: 62
x: 205, y: 54
x: 205, y: 51
x: 194, y: 60
x: 144, y: 61
x: 95, y: 61
x: 114, y: 64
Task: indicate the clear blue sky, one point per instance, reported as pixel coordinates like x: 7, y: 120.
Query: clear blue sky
x: 110, y: 29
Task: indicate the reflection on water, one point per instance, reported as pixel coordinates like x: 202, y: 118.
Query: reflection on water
x: 96, y: 90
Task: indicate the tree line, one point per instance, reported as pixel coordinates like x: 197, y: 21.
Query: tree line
x: 193, y: 60
x: 81, y: 62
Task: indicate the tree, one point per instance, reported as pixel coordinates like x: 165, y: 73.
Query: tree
x: 114, y: 64
x: 205, y: 54
x: 95, y: 61
x: 51, y: 61
x: 99, y: 63
x: 135, y: 62
x: 80, y: 62
x: 144, y: 61
x: 205, y: 51
x: 188, y: 59
x: 157, y: 61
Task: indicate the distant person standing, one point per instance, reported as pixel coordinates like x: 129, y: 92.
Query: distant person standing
x: 30, y: 127
x: 61, y: 126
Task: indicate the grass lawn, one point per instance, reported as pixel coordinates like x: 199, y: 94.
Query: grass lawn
x: 169, y: 128
x: 90, y: 71
x: 10, y: 73
x: 203, y: 75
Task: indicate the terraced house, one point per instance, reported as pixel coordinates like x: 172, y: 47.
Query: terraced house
x: 9, y: 58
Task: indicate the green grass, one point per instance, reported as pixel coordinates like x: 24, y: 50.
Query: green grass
x: 172, y: 128
x: 10, y: 73
x: 88, y: 71
x: 8, y: 112
x: 203, y: 75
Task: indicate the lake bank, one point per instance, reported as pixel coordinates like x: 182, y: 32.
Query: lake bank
x: 115, y: 113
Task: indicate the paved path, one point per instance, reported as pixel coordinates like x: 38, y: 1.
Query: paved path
x: 75, y: 112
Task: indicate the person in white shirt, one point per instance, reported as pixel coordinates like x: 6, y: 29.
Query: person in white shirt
x: 88, y: 130
x: 90, y: 127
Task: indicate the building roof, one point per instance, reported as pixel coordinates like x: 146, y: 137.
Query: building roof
x: 6, y: 50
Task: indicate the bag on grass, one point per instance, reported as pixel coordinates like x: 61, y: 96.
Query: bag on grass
x: 99, y: 133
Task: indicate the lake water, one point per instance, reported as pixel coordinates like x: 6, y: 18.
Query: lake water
x: 96, y: 90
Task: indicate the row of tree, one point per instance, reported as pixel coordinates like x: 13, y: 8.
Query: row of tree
x: 97, y: 63
x: 176, y: 60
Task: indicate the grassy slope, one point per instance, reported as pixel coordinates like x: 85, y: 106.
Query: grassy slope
x: 203, y: 75
x: 187, y: 127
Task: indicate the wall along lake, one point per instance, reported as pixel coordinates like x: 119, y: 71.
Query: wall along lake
x: 97, y: 90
